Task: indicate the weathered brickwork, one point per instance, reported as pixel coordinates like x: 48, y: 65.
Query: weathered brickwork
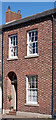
x: 0, y: 56
x: 0, y: 72
x: 41, y: 66
x: 54, y: 67
x: 10, y: 16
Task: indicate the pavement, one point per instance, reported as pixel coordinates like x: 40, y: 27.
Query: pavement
x: 21, y: 117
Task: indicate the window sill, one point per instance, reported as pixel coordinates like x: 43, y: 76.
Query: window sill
x: 16, y: 58
x: 28, y: 104
x: 32, y: 56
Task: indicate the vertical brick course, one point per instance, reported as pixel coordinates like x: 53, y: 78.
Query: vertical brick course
x: 54, y: 95
x: 0, y: 56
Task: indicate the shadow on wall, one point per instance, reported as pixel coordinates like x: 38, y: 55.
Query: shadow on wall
x: 0, y: 78
x: 0, y: 94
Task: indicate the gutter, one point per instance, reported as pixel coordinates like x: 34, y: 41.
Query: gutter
x: 52, y: 64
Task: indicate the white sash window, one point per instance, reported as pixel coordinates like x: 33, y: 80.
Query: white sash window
x: 32, y: 89
x: 32, y: 42
x: 13, y: 46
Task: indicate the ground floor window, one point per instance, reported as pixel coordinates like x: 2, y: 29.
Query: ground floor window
x: 32, y: 89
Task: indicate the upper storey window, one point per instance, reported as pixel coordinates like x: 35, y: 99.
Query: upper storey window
x: 13, y: 46
x: 32, y: 42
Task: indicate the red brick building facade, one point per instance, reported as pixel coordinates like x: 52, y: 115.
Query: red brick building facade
x: 0, y: 72
x: 27, y: 66
x: 54, y: 91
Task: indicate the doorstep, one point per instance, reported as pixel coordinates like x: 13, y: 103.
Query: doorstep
x: 32, y: 115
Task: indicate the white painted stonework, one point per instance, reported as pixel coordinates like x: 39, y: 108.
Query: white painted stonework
x: 0, y: 61
x: 0, y: 99
x: 13, y: 96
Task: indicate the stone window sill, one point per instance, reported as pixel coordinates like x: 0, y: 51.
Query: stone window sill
x: 32, y: 56
x: 26, y: 104
x: 16, y: 58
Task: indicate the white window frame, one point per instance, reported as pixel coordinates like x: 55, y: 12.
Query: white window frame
x: 30, y: 102
x: 10, y: 45
x: 28, y: 54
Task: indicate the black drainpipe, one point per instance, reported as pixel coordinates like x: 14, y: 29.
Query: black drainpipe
x: 52, y: 62
x: 2, y: 71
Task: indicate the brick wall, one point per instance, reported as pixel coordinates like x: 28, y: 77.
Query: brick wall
x: 41, y: 66
x: 55, y: 67
x: 10, y: 16
x: 0, y: 56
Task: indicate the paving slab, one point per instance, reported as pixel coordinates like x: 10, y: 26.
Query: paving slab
x: 21, y: 117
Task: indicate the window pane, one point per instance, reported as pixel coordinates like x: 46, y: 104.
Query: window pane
x: 32, y: 39
x: 35, y: 99
x: 28, y: 92
x: 33, y: 50
x: 35, y: 38
x: 29, y: 95
x: 31, y: 92
x: 35, y: 92
x: 29, y: 84
x: 33, y: 45
x: 35, y: 79
x: 11, y: 40
x: 29, y: 78
x: 30, y: 48
x: 36, y: 50
x: 16, y: 39
x: 32, y: 98
x: 30, y: 45
x: 32, y: 33
x: 28, y: 98
x: 14, y: 42
x: 35, y: 32
x: 36, y: 44
x: 34, y: 84
x: 15, y: 51
x: 12, y: 52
